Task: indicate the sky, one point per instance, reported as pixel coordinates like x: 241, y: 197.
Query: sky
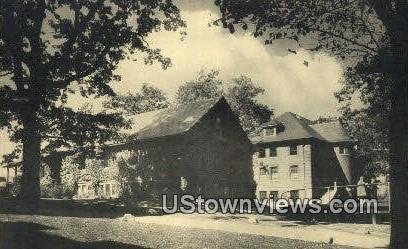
x: 289, y: 84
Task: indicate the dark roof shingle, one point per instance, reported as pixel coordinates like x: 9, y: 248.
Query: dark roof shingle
x: 332, y: 132
x: 297, y: 127
x: 169, y: 121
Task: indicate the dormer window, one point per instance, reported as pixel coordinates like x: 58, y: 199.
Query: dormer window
x: 271, y: 128
x: 343, y: 150
x: 269, y: 131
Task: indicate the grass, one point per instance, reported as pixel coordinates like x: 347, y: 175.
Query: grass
x: 35, y: 232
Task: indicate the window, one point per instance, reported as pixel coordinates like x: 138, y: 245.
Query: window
x: 273, y: 152
x: 293, y: 172
x: 263, y: 171
x: 294, y: 194
x: 107, y: 190
x: 293, y: 150
x: 113, y: 189
x: 270, y: 131
x: 261, y: 153
x: 343, y: 150
x: 83, y: 189
x: 274, y: 172
x: 262, y: 195
x: 275, y: 195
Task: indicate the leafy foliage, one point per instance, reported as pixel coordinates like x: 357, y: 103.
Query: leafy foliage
x: 372, y: 37
x: 149, y: 99
x: 206, y: 86
x: 241, y: 94
x: 49, y: 49
x: 93, y: 173
x: 371, y: 133
x: 70, y: 174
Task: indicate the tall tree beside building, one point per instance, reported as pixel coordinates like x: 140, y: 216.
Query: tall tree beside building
x: 241, y: 93
x: 50, y: 48
x: 148, y: 99
x: 372, y: 37
x: 371, y: 134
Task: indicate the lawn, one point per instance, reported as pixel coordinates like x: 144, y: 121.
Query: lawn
x: 36, y: 231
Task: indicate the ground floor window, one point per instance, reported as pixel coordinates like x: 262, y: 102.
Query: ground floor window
x: 108, y: 190
x: 294, y: 194
x: 262, y: 195
x: 113, y: 190
x: 275, y: 194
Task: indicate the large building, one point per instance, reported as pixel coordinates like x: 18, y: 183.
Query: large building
x: 198, y: 145
x: 295, y: 158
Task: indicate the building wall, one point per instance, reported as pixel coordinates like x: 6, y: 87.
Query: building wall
x: 11, y: 176
x: 222, y: 166
x: 328, y: 166
x: 345, y: 160
x: 213, y: 158
x: 320, y: 165
x: 108, y: 190
x: 283, y: 183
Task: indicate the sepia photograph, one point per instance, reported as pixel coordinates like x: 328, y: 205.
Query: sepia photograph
x: 136, y: 124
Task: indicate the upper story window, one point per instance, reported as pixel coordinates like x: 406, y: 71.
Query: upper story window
x: 263, y: 171
x: 274, y: 172
x: 261, y: 153
x: 294, y: 172
x: 293, y: 150
x: 343, y: 150
x: 273, y: 152
x: 269, y: 131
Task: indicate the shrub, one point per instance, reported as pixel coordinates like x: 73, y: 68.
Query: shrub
x: 14, y: 189
x: 50, y: 189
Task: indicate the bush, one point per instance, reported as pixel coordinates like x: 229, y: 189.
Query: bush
x: 50, y: 189
x: 68, y: 191
x: 15, y: 188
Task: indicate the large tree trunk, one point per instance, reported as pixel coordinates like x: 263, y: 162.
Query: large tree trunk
x: 30, y: 189
x: 55, y: 162
x: 399, y: 150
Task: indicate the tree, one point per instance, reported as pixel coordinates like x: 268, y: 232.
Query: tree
x: 206, y: 86
x: 241, y: 94
x: 149, y: 99
x: 372, y: 37
x: 50, y: 48
x: 370, y: 131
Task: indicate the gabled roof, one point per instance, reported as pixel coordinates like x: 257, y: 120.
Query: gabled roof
x: 332, y: 132
x: 169, y: 121
x: 296, y: 127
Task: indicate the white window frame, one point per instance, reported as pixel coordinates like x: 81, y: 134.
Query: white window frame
x: 290, y: 150
x: 293, y: 176
x: 271, y: 148
x: 274, y: 176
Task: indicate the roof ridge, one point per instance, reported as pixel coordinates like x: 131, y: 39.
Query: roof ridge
x: 327, y: 122
x: 175, y: 106
x: 171, y: 120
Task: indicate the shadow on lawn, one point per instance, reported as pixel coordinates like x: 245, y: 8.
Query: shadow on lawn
x: 23, y: 235
x: 76, y: 208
